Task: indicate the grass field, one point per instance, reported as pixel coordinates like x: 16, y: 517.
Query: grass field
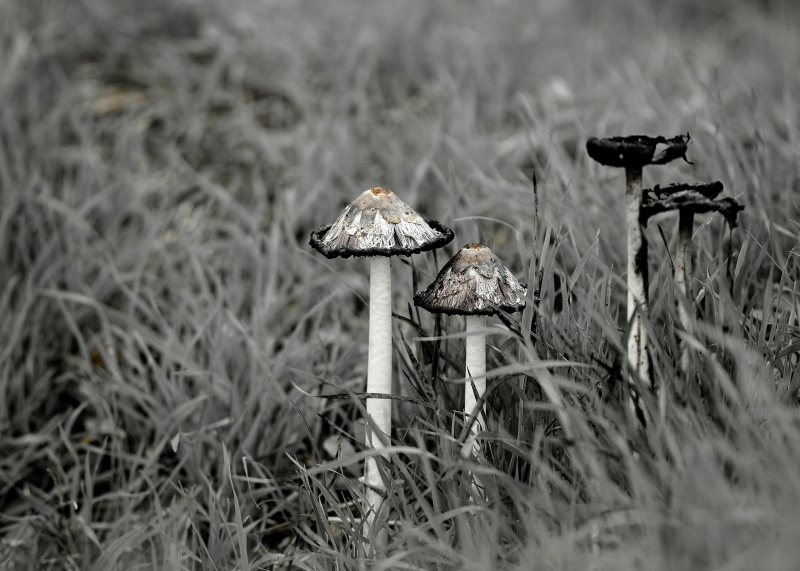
x: 167, y: 336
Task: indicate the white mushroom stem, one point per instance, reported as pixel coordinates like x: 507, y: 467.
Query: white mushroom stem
x: 683, y: 279
x: 637, y: 277
x: 379, y: 380
x: 475, y: 372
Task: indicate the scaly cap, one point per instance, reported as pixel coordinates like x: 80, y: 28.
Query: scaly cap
x: 473, y: 282
x: 377, y: 223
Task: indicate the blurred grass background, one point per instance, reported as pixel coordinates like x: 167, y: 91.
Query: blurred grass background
x: 163, y: 321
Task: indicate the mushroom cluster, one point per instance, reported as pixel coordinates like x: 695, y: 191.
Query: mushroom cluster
x: 475, y: 283
x: 632, y: 154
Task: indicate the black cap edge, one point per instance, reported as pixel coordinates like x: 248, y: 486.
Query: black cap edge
x: 420, y: 301
x: 454, y: 311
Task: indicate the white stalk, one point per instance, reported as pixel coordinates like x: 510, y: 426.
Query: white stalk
x: 637, y: 277
x: 475, y: 372
x: 683, y: 279
x: 379, y: 380
x: 474, y: 388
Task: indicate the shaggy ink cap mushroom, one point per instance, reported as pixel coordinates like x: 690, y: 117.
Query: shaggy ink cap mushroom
x: 709, y: 189
x: 377, y: 223
x: 633, y: 153
x: 473, y: 282
x: 637, y: 151
x: 690, y: 198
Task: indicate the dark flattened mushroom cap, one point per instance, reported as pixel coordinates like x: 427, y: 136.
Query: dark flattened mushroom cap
x: 473, y: 282
x: 377, y: 223
x: 637, y: 151
x: 696, y: 198
x: 709, y: 189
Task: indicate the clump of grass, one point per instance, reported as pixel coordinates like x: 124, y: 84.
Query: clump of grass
x: 168, y: 342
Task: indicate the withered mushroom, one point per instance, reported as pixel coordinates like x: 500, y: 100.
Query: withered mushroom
x: 688, y: 200
x: 634, y: 153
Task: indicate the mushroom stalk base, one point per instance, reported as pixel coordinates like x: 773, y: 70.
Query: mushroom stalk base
x: 379, y: 380
x: 637, y: 282
x: 683, y: 280
x: 475, y: 372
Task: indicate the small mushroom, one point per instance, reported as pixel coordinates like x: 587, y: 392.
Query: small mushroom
x: 379, y: 225
x: 688, y: 200
x: 474, y: 283
x: 632, y: 154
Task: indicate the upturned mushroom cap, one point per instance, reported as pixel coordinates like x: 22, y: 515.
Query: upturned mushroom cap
x: 377, y: 223
x: 708, y: 190
x: 694, y: 198
x: 637, y: 151
x: 473, y: 282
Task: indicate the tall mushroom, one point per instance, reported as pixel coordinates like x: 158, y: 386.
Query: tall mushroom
x: 379, y: 225
x: 474, y: 283
x: 688, y: 200
x: 633, y: 153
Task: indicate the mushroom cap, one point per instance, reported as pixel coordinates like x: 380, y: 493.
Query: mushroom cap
x: 377, y: 223
x: 708, y: 189
x: 694, y: 198
x: 637, y: 151
x: 473, y: 282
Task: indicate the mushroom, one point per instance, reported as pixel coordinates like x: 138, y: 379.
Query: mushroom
x: 379, y: 225
x: 474, y: 283
x: 633, y: 153
x: 688, y: 200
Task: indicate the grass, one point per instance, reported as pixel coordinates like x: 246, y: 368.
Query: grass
x: 170, y: 346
